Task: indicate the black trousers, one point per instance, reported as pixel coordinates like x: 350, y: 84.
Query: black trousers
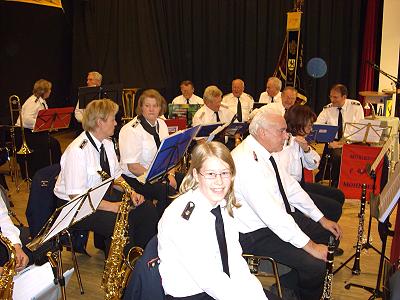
x: 329, y: 200
x: 142, y: 223
x: 158, y: 191
x: 42, y: 145
x: 205, y: 296
x: 308, y: 272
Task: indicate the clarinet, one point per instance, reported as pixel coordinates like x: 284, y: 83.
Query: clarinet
x: 327, y: 291
x: 356, y: 267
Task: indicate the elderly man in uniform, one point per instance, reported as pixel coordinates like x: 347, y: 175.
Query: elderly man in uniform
x: 238, y: 101
x: 188, y: 96
x: 273, y: 91
x: 339, y: 112
x: 277, y: 218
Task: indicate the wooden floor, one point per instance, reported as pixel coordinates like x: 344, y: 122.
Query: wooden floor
x: 91, y: 267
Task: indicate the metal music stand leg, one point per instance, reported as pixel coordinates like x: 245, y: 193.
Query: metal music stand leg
x: 75, y: 262
x: 26, y: 179
x: 55, y: 260
x: 49, y: 146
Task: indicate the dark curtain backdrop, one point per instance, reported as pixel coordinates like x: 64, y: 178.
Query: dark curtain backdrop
x: 158, y: 43
x: 35, y: 43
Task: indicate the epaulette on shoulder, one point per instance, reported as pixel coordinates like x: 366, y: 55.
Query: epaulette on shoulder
x: 353, y: 102
x: 136, y: 123
x: 83, y: 144
x: 328, y: 105
x: 187, y: 212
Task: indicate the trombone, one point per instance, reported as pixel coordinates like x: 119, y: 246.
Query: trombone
x: 15, y: 106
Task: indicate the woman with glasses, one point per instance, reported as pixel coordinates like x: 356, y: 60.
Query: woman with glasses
x: 198, y: 244
x: 297, y: 154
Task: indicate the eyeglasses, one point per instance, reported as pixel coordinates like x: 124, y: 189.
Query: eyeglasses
x: 213, y: 175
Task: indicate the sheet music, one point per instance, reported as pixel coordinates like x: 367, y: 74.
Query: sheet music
x: 39, y: 279
x: 390, y: 195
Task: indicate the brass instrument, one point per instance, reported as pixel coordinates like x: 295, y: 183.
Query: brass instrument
x: 356, y: 267
x: 6, y: 278
x: 15, y: 105
x: 327, y: 291
x: 118, y: 267
x: 128, y: 101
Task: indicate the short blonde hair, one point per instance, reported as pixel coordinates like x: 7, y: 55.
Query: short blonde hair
x: 151, y: 93
x: 199, y: 155
x: 98, y: 109
x: 41, y: 87
x: 210, y: 93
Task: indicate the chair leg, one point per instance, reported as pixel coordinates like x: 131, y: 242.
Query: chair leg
x: 75, y: 262
x: 276, y: 275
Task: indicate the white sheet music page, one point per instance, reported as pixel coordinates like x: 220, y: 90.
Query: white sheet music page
x: 390, y: 195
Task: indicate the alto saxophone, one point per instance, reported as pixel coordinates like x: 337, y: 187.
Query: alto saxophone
x: 356, y: 267
x: 6, y: 278
x: 327, y: 291
x: 118, y: 267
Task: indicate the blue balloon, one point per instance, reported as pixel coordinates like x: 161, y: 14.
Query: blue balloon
x: 316, y: 67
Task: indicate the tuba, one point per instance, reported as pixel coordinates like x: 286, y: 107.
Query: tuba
x: 6, y: 278
x: 118, y: 267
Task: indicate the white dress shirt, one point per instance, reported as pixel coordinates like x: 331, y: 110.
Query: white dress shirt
x: 192, y: 100
x: 265, y: 98
x: 136, y: 145
x: 246, y: 102
x: 8, y: 229
x: 80, y: 163
x: 257, y: 190
x: 352, y: 112
x: 206, y: 116
x: 292, y: 156
x: 30, y: 110
x: 79, y: 112
x: 190, y: 260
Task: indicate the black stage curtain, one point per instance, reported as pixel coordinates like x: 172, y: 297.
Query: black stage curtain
x: 158, y: 43
x: 35, y: 43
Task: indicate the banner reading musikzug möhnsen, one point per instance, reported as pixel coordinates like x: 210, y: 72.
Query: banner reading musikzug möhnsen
x: 353, y: 170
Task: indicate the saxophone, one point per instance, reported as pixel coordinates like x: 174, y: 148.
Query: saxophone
x: 327, y: 291
x: 118, y: 267
x: 356, y: 267
x: 6, y: 278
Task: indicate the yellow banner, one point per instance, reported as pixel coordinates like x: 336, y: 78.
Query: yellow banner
x: 53, y: 3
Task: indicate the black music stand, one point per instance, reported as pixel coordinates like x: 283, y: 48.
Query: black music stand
x: 52, y: 119
x: 387, y: 201
x: 88, y: 93
x: 169, y: 154
x: 59, y: 222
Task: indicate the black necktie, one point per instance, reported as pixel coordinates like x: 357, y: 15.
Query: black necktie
x: 220, y: 231
x: 272, y: 99
x: 105, y: 166
x: 340, y: 124
x: 239, y: 110
x: 217, y: 115
x: 187, y: 101
x: 278, y: 178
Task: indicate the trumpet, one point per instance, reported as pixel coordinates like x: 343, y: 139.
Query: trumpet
x: 15, y: 106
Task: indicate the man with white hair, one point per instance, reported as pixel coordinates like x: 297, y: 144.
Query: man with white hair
x: 277, y: 218
x: 238, y: 101
x: 273, y: 91
x: 93, y: 79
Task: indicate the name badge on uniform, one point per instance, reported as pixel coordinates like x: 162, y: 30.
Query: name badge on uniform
x: 187, y: 212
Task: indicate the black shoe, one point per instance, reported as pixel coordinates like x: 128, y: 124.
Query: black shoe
x: 338, y: 252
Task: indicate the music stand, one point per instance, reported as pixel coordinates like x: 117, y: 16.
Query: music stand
x: 322, y: 133
x: 175, y: 125
x: 88, y: 93
x: 64, y: 217
x: 236, y: 128
x: 170, y: 152
x: 206, y: 130
x: 387, y: 201
x: 52, y: 119
x: 366, y: 131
